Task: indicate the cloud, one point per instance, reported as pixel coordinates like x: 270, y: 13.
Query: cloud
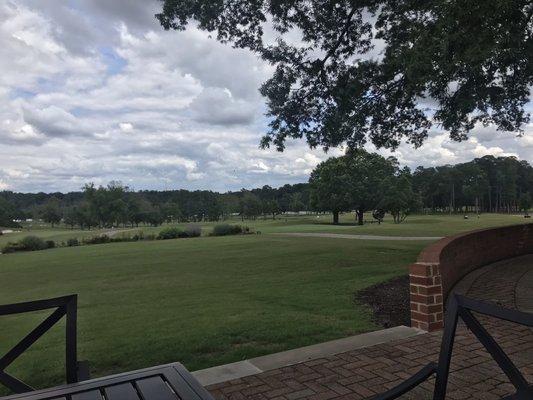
x: 125, y: 127
x: 55, y: 122
x: 218, y: 107
x: 95, y: 90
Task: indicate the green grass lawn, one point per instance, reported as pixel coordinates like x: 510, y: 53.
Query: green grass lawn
x: 211, y: 300
x: 204, y: 301
x: 414, y: 225
x: 58, y: 234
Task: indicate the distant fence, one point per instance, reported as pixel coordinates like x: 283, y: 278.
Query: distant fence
x: 442, y: 264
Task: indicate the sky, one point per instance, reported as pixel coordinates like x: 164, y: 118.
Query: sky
x: 95, y: 91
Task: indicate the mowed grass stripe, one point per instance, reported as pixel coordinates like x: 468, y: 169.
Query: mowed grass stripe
x: 415, y: 225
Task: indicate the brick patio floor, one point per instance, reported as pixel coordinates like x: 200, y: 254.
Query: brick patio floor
x: 365, y: 372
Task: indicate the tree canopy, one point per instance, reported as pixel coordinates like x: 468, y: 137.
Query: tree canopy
x: 350, y: 182
x: 329, y: 188
x: 398, y: 198
x: 7, y: 214
x: 381, y: 70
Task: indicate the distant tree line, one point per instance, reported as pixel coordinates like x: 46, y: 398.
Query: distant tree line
x: 118, y: 205
x: 487, y: 184
x: 359, y: 181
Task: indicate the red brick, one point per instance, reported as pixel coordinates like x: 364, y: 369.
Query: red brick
x: 418, y: 316
x: 420, y: 280
x: 420, y: 270
x: 435, y: 326
x: 418, y: 298
x: 430, y: 309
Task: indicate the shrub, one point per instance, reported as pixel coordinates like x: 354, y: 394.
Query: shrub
x: 123, y: 238
x: 226, y: 229
x: 170, y: 233
x: 28, y: 243
x: 73, y: 242
x: 193, y: 230
x: 32, y: 243
x: 149, y: 236
x: 97, y: 239
x: 138, y: 236
x: 12, y: 247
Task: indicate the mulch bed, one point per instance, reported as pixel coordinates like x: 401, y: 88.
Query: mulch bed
x: 389, y: 301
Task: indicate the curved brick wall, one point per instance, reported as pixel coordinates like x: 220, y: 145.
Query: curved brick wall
x: 442, y: 264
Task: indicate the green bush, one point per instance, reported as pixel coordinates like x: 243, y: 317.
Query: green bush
x: 193, y: 230
x: 97, y: 239
x: 138, y: 236
x: 33, y: 243
x: 123, y: 238
x: 73, y: 242
x: 171, y: 233
x: 149, y: 236
x: 226, y: 229
x: 12, y: 247
x: 29, y: 243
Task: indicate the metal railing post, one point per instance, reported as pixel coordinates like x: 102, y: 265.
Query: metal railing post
x: 71, y: 354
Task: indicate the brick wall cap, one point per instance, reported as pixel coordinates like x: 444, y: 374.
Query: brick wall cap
x: 432, y: 253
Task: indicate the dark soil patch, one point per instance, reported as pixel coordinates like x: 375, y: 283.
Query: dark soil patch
x: 389, y: 301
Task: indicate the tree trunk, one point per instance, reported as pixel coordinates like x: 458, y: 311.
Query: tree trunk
x: 360, y: 216
x: 335, y: 217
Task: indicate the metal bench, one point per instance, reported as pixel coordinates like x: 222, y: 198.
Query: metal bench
x: 64, y: 306
x: 166, y: 382
x: 460, y: 306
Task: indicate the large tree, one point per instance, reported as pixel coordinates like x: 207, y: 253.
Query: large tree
x: 475, y: 184
x: 525, y: 202
x: 7, y: 214
x: 250, y: 206
x: 51, y: 211
x: 398, y: 198
x: 351, y: 182
x: 453, y: 63
x: 367, y: 174
x: 329, y: 183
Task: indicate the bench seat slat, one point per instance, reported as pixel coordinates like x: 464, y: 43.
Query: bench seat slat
x: 155, y: 388
x: 124, y: 391
x: 89, y: 395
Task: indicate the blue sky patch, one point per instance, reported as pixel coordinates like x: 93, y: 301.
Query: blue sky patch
x: 115, y: 64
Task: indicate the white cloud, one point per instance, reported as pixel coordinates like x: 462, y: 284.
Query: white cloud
x: 125, y: 127
x: 95, y: 90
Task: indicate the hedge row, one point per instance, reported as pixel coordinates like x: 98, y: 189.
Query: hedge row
x: 34, y: 243
x: 226, y: 229
x: 176, y: 233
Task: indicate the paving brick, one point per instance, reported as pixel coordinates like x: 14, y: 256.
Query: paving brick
x: 362, y: 373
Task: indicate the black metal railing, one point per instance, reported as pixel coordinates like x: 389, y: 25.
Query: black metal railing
x: 64, y: 306
x: 460, y: 306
